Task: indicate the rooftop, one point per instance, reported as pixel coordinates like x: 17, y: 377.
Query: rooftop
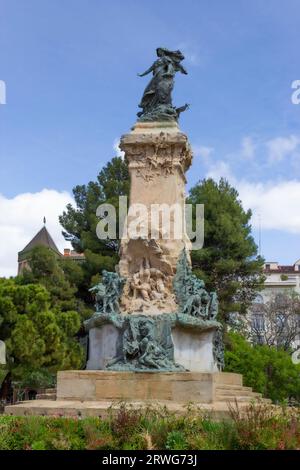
x: 42, y: 238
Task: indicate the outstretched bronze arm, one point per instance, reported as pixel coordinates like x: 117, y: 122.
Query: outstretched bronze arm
x: 146, y: 73
x: 182, y: 69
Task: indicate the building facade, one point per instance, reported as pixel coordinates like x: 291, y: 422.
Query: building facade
x: 267, y: 325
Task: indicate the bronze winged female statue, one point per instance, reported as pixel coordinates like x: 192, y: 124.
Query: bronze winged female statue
x: 156, y: 102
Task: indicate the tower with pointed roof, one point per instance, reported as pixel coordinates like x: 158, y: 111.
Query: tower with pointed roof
x: 42, y: 238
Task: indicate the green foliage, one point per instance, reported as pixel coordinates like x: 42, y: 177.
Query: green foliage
x: 266, y: 369
x: 176, y: 441
x: 259, y: 427
x: 35, y: 379
x: 3, y: 373
x: 80, y: 222
x: 37, y: 334
x: 228, y: 262
x: 58, y: 276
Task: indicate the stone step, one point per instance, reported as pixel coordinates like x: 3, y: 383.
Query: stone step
x: 228, y: 378
x: 49, y: 390
x: 46, y: 396
x: 238, y: 398
x: 243, y: 399
x: 218, y: 409
x: 237, y: 393
x: 232, y: 387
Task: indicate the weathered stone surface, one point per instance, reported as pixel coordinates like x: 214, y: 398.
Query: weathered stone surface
x: 194, y: 349
x: 89, y: 390
x: 83, y: 409
x: 158, y: 157
x: 103, y: 343
x: 180, y: 387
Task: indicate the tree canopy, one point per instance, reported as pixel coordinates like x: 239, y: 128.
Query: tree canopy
x: 267, y: 369
x: 228, y: 261
x: 80, y: 222
x: 59, y: 276
x: 36, y: 335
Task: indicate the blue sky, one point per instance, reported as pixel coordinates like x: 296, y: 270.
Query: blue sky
x: 70, y: 68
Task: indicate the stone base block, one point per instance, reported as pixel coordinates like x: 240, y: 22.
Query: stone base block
x: 194, y: 350
x: 191, y: 348
x: 97, y: 393
x: 103, y: 344
x: 179, y: 387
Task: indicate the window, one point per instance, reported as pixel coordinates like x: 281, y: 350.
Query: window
x: 258, y: 321
x: 281, y: 299
x: 281, y: 320
x: 259, y: 299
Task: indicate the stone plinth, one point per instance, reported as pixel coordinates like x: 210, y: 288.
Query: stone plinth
x: 103, y: 344
x: 98, y: 393
x: 186, y: 341
x: 194, y: 350
x: 136, y: 386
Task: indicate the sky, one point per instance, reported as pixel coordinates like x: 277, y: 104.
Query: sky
x: 70, y: 71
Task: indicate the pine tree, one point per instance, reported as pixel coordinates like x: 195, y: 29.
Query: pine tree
x: 228, y: 261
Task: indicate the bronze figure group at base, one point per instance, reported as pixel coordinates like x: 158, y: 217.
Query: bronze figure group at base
x: 146, y: 342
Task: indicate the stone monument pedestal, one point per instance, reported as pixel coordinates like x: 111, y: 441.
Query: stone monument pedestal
x: 193, y: 349
x: 96, y: 393
x: 177, y: 387
x: 153, y: 314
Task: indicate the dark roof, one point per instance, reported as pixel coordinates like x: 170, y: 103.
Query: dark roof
x: 281, y: 269
x: 42, y: 238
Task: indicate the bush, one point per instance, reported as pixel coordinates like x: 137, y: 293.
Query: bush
x: 260, y: 427
x: 266, y: 369
x: 36, y: 379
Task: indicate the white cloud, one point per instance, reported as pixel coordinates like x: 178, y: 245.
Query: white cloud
x: 220, y: 169
x: 21, y: 218
x: 277, y: 204
x: 201, y: 151
x: 116, y: 147
x: 248, y: 148
x: 281, y: 147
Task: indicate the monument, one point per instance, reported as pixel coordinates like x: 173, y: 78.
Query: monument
x: 153, y: 314
x: 155, y: 333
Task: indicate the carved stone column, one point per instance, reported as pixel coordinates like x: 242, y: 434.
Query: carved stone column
x: 158, y: 155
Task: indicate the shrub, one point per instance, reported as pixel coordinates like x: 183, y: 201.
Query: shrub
x: 259, y: 427
x: 266, y: 369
